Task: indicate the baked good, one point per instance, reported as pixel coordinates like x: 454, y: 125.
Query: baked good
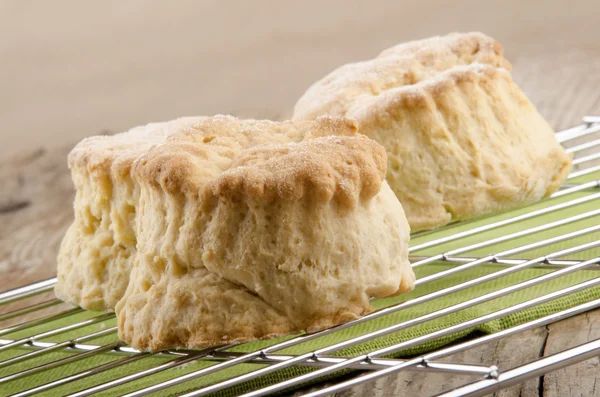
x: 462, y: 139
x: 239, y: 230
x: 253, y: 229
x: 97, y: 251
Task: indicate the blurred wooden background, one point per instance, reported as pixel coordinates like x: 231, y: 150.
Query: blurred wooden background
x: 70, y: 69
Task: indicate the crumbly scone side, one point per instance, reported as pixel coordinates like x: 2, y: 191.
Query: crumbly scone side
x: 404, y: 64
x: 193, y: 308
x: 97, y: 251
x: 465, y: 143
x: 306, y: 230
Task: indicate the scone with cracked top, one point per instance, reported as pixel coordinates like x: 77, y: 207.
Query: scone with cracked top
x: 462, y: 138
x: 97, y: 252
x: 253, y: 229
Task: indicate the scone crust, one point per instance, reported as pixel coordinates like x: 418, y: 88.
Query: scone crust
x: 404, y: 64
x: 470, y: 47
x: 268, y: 160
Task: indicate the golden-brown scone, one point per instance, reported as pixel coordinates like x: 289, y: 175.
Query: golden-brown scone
x: 461, y: 142
x: 247, y: 230
x: 97, y: 251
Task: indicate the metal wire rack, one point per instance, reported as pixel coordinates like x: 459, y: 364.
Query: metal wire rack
x: 560, y: 252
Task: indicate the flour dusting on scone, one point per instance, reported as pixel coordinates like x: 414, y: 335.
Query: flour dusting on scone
x: 461, y: 137
x: 401, y: 65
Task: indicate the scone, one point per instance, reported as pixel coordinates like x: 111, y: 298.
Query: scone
x: 97, y: 251
x: 462, y: 139
x: 254, y: 229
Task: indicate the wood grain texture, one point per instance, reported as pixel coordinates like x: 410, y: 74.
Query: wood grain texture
x: 130, y: 64
x: 508, y: 353
x: 577, y: 380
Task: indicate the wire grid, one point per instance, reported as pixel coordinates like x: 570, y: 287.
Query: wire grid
x: 561, y: 254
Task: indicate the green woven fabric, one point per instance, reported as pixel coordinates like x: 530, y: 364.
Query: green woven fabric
x: 400, y: 316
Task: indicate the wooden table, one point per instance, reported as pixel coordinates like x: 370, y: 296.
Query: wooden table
x: 71, y: 71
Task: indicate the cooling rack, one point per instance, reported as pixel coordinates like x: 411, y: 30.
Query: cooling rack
x: 551, y: 247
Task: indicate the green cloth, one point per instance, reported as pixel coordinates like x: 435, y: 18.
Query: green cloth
x: 400, y: 316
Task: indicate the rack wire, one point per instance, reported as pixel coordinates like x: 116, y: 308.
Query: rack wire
x: 509, y: 244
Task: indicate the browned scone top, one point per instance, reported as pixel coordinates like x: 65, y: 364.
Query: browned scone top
x: 325, y: 159
x: 403, y: 64
x: 100, y: 154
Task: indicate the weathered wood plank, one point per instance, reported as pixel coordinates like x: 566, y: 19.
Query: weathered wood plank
x: 35, y: 210
x: 506, y: 353
x: 580, y: 379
